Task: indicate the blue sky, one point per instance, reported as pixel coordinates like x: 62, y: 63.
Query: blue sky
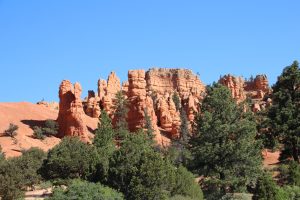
x: 43, y: 42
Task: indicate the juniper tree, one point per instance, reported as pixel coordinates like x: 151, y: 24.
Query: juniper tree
x: 223, y: 147
x: 284, y: 114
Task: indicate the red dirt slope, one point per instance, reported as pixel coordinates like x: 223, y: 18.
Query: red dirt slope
x: 26, y: 115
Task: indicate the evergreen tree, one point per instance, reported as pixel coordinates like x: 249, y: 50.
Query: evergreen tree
x: 16, y: 174
x: 148, y: 124
x: 179, y: 152
x: 71, y: 158
x: 266, y: 189
x: 121, y: 111
x: 284, y: 115
x: 224, y: 148
x: 120, y: 117
x: 105, y: 144
x: 176, y: 100
x: 141, y: 173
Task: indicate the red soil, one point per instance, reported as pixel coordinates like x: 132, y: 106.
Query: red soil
x: 26, y: 115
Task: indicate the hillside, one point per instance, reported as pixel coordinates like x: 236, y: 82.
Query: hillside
x: 26, y: 116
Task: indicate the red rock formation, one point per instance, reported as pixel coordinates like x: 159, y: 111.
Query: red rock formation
x: 192, y: 107
x: 91, y: 106
x: 138, y: 102
x: 258, y: 87
x: 168, y: 116
x: 236, y: 86
x: 184, y: 81
x: 255, y: 89
x: 113, y: 86
x: 71, y: 115
x: 125, y: 85
x: 102, y: 88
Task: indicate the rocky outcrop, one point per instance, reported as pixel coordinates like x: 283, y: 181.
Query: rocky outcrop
x: 71, y: 115
x: 139, y: 102
x: 169, y: 117
x: 258, y: 87
x: 107, y: 91
x: 102, y: 88
x: 113, y: 85
x: 125, y: 85
x: 256, y: 90
x: 162, y: 81
x: 91, y: 105
x: 236, y: 86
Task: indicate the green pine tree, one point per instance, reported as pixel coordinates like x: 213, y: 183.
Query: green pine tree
x: 179, y: 152
x: 284, y: 115
x: 148, y: 124
x: 121, y: 111
x: 105, y: 144
x: 224, y: 148
x: 176, y: 100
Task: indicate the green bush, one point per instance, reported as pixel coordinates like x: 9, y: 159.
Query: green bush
x: 86, y: 190
x: 11, y: 131
x: 38, y: 133
x: 70, y: 159
x: 50, y: 129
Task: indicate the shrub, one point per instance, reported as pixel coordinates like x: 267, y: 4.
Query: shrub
x: 11, y: 131
x: 50, y: 129
x: 38, y: 133
x: 85, y: 190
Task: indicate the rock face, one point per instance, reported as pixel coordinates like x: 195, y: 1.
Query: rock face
x: 140, y: 103
x: 257, y: 90
x: 109, y: 92
x: 169, y: 117
x: 151, y: 90
x: 236, y: 86
x: 163, y: 81
x: 71, y: 115
x: 91, y: 105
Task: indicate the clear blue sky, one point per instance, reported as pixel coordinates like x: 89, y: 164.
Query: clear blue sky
x: 45, y: 41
